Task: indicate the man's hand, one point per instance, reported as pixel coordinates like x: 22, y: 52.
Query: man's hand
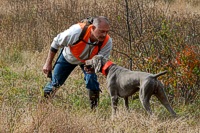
x: 89, y: 69
x: 47, y: 68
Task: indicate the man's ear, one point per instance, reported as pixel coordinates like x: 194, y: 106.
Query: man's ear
x: 93, y: 27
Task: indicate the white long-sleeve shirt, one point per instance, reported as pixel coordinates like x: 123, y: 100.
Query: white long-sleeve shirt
x: 70, y: 36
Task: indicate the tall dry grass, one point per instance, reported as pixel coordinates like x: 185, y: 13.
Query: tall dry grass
x: 27, y: 28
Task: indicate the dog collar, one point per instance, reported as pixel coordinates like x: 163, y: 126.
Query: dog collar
x: 105, y: 67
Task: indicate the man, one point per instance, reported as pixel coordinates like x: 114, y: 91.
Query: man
x: 95, y: 41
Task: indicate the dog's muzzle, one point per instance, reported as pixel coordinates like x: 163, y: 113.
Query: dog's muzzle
x: 89, y: 66
x: 88, y: 62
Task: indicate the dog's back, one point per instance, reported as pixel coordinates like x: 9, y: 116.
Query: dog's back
x: 124, y: 81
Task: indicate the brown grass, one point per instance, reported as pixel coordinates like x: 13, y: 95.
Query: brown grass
x: 47, y: 118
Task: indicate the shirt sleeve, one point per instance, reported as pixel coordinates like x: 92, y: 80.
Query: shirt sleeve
x: 67, y: 37
x: 106, y: 50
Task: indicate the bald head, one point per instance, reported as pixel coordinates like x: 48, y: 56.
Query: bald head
x: 100, y: 20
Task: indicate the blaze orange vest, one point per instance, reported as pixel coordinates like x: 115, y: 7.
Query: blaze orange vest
x: 79, y: 47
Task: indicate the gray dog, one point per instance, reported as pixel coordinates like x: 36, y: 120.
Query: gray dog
x: 124, y: 83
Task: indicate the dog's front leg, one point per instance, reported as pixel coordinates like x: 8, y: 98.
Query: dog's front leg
x: 126, y: 102
x: 114, y: 102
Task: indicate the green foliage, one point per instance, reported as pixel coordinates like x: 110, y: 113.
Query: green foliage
x: 105, y: 101
x: 8, y: 74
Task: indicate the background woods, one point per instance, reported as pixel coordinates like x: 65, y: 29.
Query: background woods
x: 148, y: 35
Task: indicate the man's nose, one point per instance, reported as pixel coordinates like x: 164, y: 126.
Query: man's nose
x: 104, y: 34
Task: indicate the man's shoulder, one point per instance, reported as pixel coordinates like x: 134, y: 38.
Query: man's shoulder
x: 109, y: 40
x: 75, y: 28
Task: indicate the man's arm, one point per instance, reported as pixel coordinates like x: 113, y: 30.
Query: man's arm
x: 63, y: 39
x: 47, y: 68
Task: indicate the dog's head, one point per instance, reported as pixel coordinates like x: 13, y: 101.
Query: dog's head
x: 96, y: 62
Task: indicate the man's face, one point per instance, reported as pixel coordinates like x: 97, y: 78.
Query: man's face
x: 101, y: 31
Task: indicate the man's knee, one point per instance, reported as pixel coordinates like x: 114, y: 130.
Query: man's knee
x: 92, y: 82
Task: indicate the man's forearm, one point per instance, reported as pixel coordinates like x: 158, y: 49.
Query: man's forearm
x: 51, y: 56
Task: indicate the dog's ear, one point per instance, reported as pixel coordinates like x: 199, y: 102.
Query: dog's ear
x: 97, y: 67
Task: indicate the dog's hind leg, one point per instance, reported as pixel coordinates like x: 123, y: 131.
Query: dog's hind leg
x: 146, y: 104
x: 145, y: 94
x: 160, y: 94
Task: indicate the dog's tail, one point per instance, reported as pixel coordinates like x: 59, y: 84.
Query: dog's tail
x: 159, y: 74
